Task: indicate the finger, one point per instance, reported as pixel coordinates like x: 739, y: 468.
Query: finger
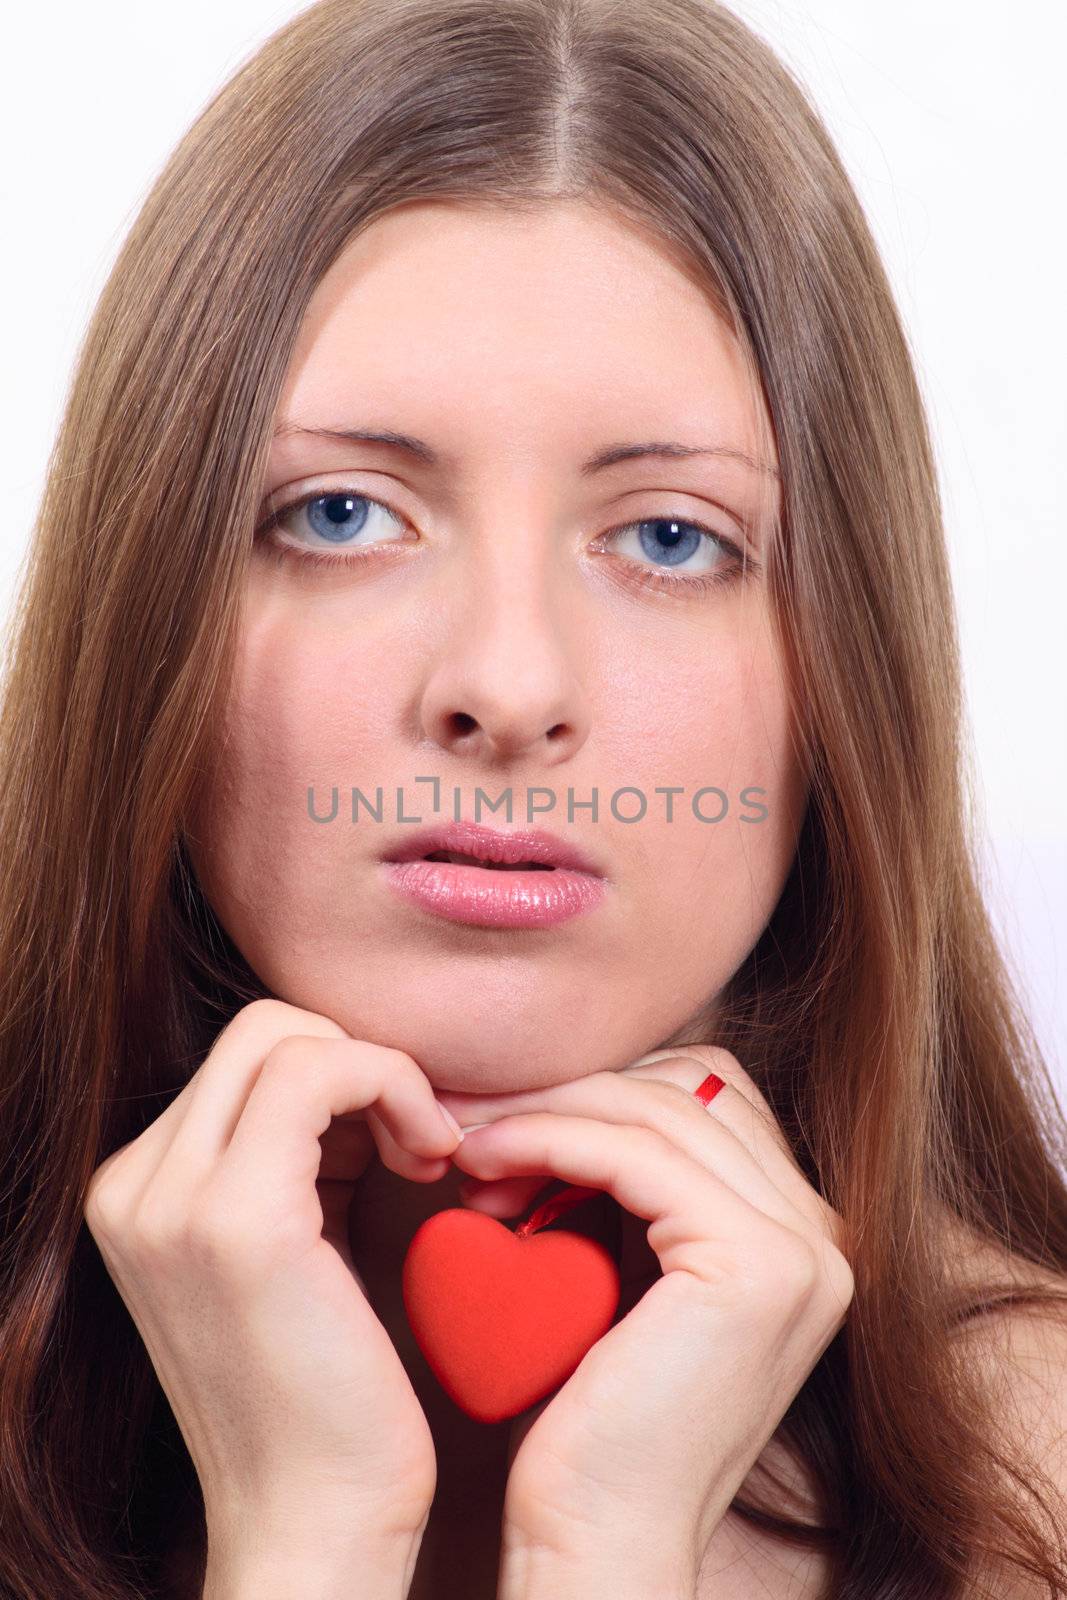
x: 255, y: 1048
x: 674, y: 1113
x: 743, y: 1109
x: 393, y: 1149
x: 508, y: 1197
x: 688, y: 1068
x: 751, y: 1116
x: 699, y: 1222
x: 305, y: 1083
x: 221, y: 1082
x: 739, y: 1106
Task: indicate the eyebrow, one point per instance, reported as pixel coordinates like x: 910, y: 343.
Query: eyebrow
x: 664, y: 449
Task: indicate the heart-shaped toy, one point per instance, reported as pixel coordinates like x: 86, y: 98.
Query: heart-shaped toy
x: 505, y: 1317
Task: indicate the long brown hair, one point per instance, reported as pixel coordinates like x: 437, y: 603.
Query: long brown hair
x: 876, y: 1010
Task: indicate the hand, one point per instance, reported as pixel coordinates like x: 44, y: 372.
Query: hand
x: 223, y: 1226
x: 620, y: 1478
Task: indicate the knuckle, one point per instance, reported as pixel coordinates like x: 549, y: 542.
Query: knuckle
x: 835, y: 1226
x: 224, y: 1241
x: 793, y: 1272
x: 105, y: 1203
x: 718, y: 1056
x: 840, y: 1280
x: 715, y: 1058
x: 153, y: 1229
x: 295, y: 1053
x: 284, y: 1053
x: 303, y: 1054
x: 213, y: 1232
x: 267, y: 1017
x: 648, y: 1144
x: 101, y: 1210
x: 396, y: 1059
x: 253, y: 1018
x: 728, y: 1067
x: 258, y: 1010
x: 676, y: 1096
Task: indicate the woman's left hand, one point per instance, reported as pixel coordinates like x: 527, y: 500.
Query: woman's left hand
x: 619, y: 1479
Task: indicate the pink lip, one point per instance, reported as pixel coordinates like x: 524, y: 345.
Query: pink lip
x: 492, y: 844
x: 487, y: 896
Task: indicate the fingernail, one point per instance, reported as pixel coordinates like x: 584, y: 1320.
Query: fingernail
x: 450, y: 1119
x: 472, y: 1125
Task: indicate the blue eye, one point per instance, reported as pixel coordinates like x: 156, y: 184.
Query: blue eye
x: 677, y: 545
x: 686, y: 556
x: 672, y: 542
x: 337, y: 517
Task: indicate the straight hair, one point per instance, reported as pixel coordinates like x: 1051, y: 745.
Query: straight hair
x: 876, y: 1010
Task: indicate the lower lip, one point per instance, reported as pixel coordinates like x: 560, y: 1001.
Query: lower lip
x: 490, y: 898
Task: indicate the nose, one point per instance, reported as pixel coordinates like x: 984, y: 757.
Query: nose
x: 506, y: 684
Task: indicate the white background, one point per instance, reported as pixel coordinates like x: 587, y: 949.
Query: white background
x: 950, y: 120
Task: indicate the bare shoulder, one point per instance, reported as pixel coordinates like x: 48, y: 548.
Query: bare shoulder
x: 1021, y: 1347
x: 743, y: 1562
x: 1019, y: 1353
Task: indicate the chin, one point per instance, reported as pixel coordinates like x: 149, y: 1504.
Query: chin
x: 468, y: 1056
x: 470, y: 1043
x: 486, y: 1065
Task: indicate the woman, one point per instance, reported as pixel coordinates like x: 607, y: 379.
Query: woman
x: 522, y: 244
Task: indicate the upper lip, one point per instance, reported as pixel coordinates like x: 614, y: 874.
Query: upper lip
x: 492, y: 844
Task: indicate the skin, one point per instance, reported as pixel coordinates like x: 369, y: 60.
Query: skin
x: 497, y: 605
x: 496, y: 608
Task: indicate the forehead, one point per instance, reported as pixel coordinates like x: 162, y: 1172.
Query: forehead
x: 521, y: 329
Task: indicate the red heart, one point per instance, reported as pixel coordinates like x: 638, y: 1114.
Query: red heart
x: 503, y: 1319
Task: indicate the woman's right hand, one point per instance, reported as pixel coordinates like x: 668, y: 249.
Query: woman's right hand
x: 223, y: 1226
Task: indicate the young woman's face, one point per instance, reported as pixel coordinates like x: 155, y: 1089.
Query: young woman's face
x: 500, y: 619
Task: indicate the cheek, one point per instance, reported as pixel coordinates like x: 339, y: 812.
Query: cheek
x: 282, y: 728
x: 317, y: 701
x: 311, y: 703
x: 709, y: 886
x: 300, y: 715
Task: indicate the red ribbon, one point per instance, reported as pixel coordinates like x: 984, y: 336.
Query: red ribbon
x: 566, y: 1200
